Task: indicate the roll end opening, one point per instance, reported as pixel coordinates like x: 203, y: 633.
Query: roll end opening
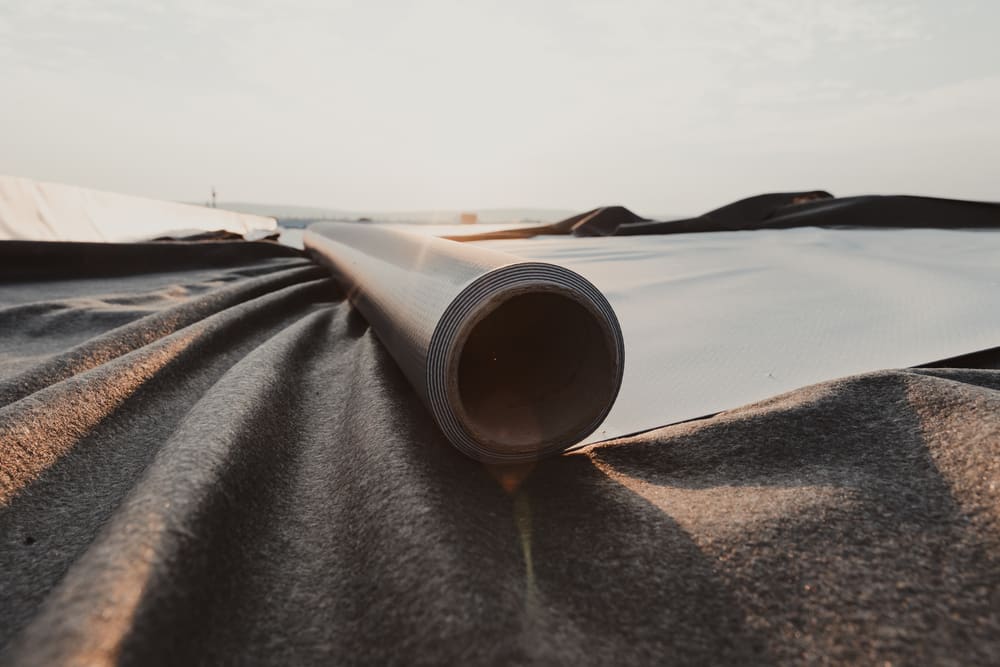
x: 538, y: 371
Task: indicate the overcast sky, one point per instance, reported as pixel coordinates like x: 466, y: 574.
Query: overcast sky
x: 666, y: 107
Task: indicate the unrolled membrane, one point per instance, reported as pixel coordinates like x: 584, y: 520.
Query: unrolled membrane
x: 36, y: 211
x: 722, y: 319
x: 515, y: 359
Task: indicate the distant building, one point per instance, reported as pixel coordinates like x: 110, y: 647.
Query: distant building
x: 468, y: 218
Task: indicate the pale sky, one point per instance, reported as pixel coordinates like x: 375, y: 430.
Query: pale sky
x: 666, y: 107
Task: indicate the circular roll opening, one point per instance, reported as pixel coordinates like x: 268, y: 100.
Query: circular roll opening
x: 538, y: 370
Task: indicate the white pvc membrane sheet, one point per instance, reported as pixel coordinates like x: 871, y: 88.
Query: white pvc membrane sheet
x: 35, y: 211
x: 715, y: 321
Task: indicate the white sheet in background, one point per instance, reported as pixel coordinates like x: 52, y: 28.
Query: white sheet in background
x: 35, y: 211
x: 714, y: 321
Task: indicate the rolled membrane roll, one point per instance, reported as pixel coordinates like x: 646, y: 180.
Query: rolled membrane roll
x: 516, y: 360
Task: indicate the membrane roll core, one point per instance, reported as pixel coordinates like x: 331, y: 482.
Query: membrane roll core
x: 515, y: 359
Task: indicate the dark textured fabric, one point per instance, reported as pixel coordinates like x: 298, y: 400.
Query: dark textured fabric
x: 49, y: 260
x: 803, y: 210
x: 221, y: 464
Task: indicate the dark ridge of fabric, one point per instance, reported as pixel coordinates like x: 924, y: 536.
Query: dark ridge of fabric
x: 49, y: 260
x: 781, y: 210
x: 764, y: 206
x: 596, y: 222
x: 983, y: 359
x: 733, y: 215
x: 218, y: 235
x: 258, y: 484
x: 879, y: 211
x: 604, y: 221
x: 215, y: 235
